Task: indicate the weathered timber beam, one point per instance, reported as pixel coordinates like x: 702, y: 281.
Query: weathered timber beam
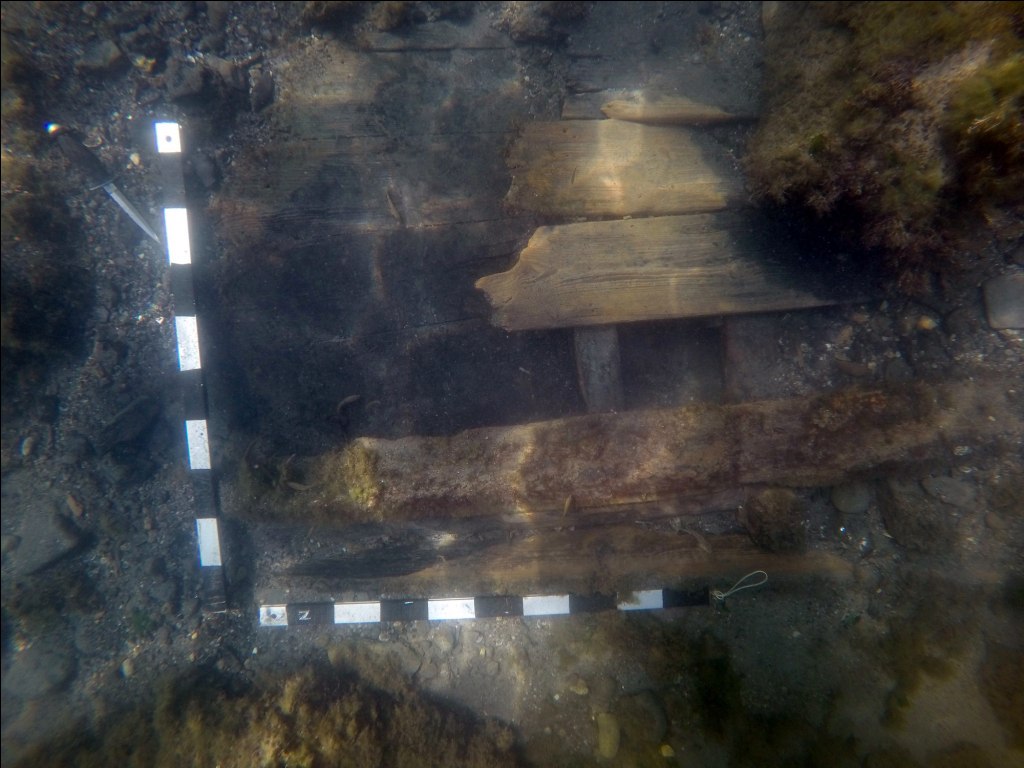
x: 667, y: 109
x: 608, y: 272
x: 606, y: 560
x: 644, y: 457
x: 575, y: 168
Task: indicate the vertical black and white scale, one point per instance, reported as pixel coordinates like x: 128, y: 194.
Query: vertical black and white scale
x: 186, y: 325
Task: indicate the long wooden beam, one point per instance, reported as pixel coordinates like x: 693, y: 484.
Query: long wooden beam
x: 637, y: 459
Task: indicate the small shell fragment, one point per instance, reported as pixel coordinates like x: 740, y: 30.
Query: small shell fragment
x: 74, y: 505
x: 570, y: 505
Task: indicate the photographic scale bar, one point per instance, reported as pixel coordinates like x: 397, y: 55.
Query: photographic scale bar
x: 456, y: 608
x: 186, y: 326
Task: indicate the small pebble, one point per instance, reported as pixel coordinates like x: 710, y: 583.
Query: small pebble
x: 667, y: 751
x: 995, y: 522
x: 959, y: 493
x: 1004, y: 301
x: 845, y: 336
x: 127, y: 668
x: 27, y: 445
x: 74, y: 505
x: 578, y: 685
x: 926, y: 323
x: 852, y: 498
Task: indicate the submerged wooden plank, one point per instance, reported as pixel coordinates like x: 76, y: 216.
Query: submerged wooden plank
x: 617, y: 559
x: 326, y: 90
x: 607, y: 560
x: 587, y: 168
x: 650, y: 106
x: 640, y: 457
x: 598, y: 273
x: 341, y: 155
x: 357, y: 186
x: 655, y: 108
x: 597, y: 368
x: 587, y: 106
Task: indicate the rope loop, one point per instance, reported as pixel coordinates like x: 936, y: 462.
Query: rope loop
x: 720, y: 596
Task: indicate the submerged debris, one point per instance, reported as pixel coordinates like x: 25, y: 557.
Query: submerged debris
x: 311, y: 718
x: 894, y: 122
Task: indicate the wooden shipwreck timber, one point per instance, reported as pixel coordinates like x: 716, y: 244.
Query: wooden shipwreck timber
x: 621, y: 501
x: 687, y: 456
x: 631, y: 209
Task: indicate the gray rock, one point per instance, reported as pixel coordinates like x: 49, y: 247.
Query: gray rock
x: 129, y: 424
x: 163, y: 591
x: 205, y: 169
x: 217, y: 12
x: 898, y: 370
x: 46, y: 536
x: 852, y: 498
x: 102, y: 57
x: 913, y: 518
x: 91, y: 639
x: 959, y: 493
x: 190, y: 607
x: 74, y: 448
x: 642, y: 718
x: 444, y: 639
x: 1004, y: 301
x: 186, y: 82
x: 44, y: 667
x: 262, y: 94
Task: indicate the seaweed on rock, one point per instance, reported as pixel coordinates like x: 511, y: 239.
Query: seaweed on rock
x: 900, y: 122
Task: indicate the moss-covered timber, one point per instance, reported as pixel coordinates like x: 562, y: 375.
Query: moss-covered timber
x: 585, y: 464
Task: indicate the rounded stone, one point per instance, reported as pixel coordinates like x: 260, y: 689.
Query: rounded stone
x: 852, y: 498
x: 959, y: 493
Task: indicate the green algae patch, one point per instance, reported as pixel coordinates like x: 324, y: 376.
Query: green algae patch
x: 347, y: 480
x: 311, y: 718
x: 894, y: 123
x: 339, y: 486
x: 1002, y: 682
x: 985, y: 123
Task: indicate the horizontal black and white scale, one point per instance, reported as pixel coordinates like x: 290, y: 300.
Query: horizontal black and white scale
x: 460, y: 608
